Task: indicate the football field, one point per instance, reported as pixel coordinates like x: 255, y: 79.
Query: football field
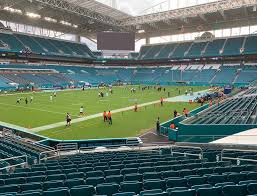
x: 46, y: 117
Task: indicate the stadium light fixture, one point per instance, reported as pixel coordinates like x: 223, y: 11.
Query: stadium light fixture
x: 65, y: 23
x: 75, y: 26
x: 13, y: 10
x: 33, y: 15
x: 50, y: 19
x: 141, y: 31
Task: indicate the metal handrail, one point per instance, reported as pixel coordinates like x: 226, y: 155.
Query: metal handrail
x: 56, y: 153
x: 67, y: 147
x: 237, y: 158
x: 200, y: 155
x: 13, y: 158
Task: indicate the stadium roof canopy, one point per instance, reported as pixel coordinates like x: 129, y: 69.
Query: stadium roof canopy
x: 86, y: 17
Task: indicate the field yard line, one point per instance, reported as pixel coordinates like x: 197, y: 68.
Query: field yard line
x: 19, y: 106
x: 59, y: 124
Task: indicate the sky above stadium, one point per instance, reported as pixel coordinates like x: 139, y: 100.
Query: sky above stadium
x: 140, y: 7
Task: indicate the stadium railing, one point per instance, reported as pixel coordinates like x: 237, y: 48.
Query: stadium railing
x: 43, y: 156
x: 9, y: 167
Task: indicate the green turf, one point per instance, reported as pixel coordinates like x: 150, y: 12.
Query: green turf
x: 126, y: 124
x: 43, y: 112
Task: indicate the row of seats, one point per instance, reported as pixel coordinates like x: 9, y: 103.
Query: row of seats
x: 196, y: 49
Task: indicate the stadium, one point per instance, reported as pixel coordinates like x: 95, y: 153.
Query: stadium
x: 128, y: 98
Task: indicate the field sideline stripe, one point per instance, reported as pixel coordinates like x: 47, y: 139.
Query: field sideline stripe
x: 59, y: 124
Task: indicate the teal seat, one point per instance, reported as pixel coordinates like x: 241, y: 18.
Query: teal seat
x: 83, y: 190
x: 35, y: 193
x: 169, y: 174
x: 221, y: 170
x: 118, y: 166
x: 131, y: 186
x: 20, y: 180
x: 94, y: 181
x: 133, y: 177
x: 114, y: 178
x: 147, y: 192
x: 189, y: 192
x: 132, y: 165
x: 186, y: 172
x: 101, y: 168
x: 57, y: 192
x: 196, y: 187
x: 224, y: 184
x: 107, y: 189
x: 236, y: 178
x: 19, y: 175
x: 74, y: 182
x: 196, y: 180
x: 252, y: 176
x: 128, y: 171
x: 212, y: 191
x: 154, y: 184
x: 203, y: 171
x: 75, y: 175
x: 85, y: 169
x: 152, y: 175
x: 247, y: 182
x: 31, y: 186
x: 112, y: 172
x: 157, y: 194
x: 53, y: 184
x: 252, y: 188
x: 170, y: 190
x: 56, y: 177
x: 22, y: 170
x: 36, y: 173
x: 36, y: 179
x: 176, y: 182
x: 94, y: 174
x: 125, y: 194
x: 214, y: 179
x: 145, y: 169
x: 9, y: 188
x: 232, y: 190
x: 162, y: 168
x: 54, y: 172
x: 4, y: 176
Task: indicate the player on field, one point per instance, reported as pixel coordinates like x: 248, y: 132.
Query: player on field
x: 109, y: 117
x: 81, y: 111
x: 135, y: 108
x: 55, y: 94
x: 31, y: 99
x: 68, y: 119
x: 26, y: 100
x: 18, y: 101
x: 105, y: 116
x: 161, y: 101
x: 51, y: 98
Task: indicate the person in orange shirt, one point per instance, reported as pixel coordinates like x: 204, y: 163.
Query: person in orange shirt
x: 105, y: 116
x: 172, y: 126
x: 161, y: 101
x: 109, y: 117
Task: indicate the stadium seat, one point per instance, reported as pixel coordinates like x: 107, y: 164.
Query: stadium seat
x: 114, y: 178
x: 189, y: 192
x: 74, y: 182
x: 252, y: 188
x: 176, y: 182
x: 82, y: 190
x: 125, y: 194
x: 133, y: 177
x: 107, y: 189
x: 57, y: 192
x: 230, y: 190
x: 131, y: 186
x: 31, y: 186
x: 154, y: 184
x: 52, y: 184
x: 94, y: 180
x: 211, y: 191
x: 152, y: 192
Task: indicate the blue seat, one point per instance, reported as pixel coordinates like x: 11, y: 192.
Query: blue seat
x: 9, y: 188
x: 196, y: 180
x: 52, y: 184
x: 35, y: 193
x: 125, y: 194
x: 176, y: 182
x: 74, y: 182
x: 56, y: 177
x: 152, y: 175
x: 112, y: 172
x: 20, y: 180
x: 170, y: 190
x: 95, y: 174
x: 154, y: 184
x: 189, y: 192
x: 107, y: 188
x: 196, y: 187
x: 169, y: 174
x: 252, y: 188
x: 83, y: 190
x: 114, y: 178
x: 212, y: 191
x: 214, y: 179
x: 133, y: 177
x: 131, y: 186
x: 94, y: 181
x: 36, y: 179
x: 236, y: 178
x: 230, y: 190
x: 152, y: 192
x: 224, y: 184
x: 75, y: 175
x: 57, y: 192
x: 247, y: 182
x: 31, y: 186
